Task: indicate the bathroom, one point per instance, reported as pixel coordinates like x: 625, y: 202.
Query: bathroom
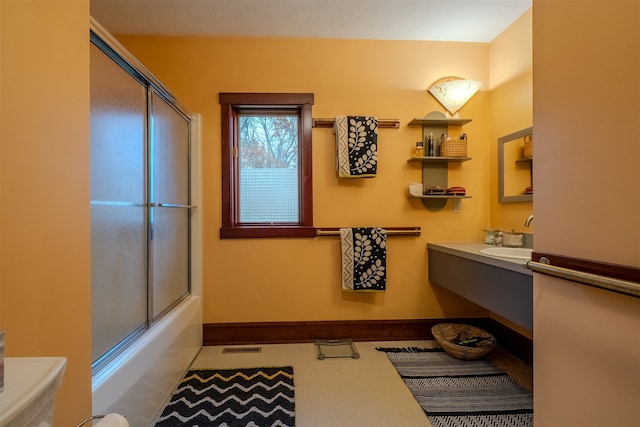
x: 45, y: 292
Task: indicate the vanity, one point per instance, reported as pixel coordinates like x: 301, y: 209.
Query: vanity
x: 499, y: 284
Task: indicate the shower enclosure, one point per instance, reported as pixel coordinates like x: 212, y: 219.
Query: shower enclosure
x: 140, y: 201
x: 146, y: 243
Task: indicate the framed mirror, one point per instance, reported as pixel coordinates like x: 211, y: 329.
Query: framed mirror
x: 515, y: 170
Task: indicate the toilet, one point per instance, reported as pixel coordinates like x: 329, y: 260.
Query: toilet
x: 30, y: 386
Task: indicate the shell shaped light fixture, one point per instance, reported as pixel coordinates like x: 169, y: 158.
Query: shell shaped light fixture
x: 454, y: 92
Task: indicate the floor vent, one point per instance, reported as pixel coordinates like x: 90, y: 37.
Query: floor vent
x: 242, y: 349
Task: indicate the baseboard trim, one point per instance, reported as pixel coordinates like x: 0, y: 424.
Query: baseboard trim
x: 358, y: 330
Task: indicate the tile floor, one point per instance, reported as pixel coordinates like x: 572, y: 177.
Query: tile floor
x: 344, y: 392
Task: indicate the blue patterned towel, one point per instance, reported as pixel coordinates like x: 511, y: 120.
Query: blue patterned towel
x: 364, y: 259
x: 357, y: 146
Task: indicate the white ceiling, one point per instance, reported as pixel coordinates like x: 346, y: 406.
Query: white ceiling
x: 437, y: 20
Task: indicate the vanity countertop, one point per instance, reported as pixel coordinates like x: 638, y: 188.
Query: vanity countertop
x: 471, y: 250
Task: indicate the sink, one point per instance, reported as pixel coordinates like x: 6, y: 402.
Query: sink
x: 504, y: 252
x: 30, y: 384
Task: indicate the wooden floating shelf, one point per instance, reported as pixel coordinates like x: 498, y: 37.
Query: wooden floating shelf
x: 438, y: 159
x: 424, y: 121
x: 436, y: 196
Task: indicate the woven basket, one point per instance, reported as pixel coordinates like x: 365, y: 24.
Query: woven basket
x: 453, y: 148
x: 528, y: 146
x: 444, y: 333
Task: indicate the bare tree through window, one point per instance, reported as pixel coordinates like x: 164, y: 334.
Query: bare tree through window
x: 268, y: 141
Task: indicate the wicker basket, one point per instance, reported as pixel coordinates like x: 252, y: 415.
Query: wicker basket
x: 453, y: 148
x: 444, y: 333
x: 528, y: 146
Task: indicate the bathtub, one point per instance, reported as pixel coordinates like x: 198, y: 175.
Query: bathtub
x: 139, y: 381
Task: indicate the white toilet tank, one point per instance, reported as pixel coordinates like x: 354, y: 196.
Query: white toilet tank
x: 30, y: 385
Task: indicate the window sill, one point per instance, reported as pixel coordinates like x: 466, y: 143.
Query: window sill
x: 275, y: 232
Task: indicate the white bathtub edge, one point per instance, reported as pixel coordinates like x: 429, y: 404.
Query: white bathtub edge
x: 138, y: 381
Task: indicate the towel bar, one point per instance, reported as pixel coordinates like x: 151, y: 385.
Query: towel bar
x: 391, y: 231
x: 382, y: 123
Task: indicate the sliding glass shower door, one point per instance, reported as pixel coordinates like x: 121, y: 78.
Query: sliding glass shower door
x: 170, y: 204
x: 118, y: 204
x: 140, y: 203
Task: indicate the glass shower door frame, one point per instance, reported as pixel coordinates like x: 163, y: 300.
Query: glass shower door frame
x: 153, y: 88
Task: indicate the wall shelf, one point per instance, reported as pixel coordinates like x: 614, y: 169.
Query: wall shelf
x: 439, y: 197
x: 435, y: 169
x: 439, y: 159
x: 431, y: 121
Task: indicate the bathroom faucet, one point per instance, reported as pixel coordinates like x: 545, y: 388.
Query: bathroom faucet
x: 528, y: 221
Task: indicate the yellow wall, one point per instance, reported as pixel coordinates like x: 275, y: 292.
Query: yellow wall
x: 261, y: 280
x: 44, y: 178
x: 511, y: 106
x: 44, y: 191
x: 511, y: 103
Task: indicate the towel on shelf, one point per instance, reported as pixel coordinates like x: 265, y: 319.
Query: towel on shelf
x: 364, y: 259
x: 356, y: 146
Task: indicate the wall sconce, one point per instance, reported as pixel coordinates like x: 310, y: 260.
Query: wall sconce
x: 454, y: 92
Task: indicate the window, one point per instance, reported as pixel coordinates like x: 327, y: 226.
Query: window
x: 266, y: 165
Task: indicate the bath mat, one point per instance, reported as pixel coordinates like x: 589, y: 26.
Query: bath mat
x: 232, y: 397
x: 462, y: 393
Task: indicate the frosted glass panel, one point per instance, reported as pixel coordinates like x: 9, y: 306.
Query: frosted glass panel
x: 118, y: 275
x: 170, y: 153
x: 118, y: 215
x: 170, y: 185
x: 170, y: 257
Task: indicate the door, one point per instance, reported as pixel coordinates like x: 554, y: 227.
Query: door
x: 170, y: 204
x: 587, y: 158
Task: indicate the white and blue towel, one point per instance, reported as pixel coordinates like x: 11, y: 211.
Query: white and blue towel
x: 364, y: 259
x: 357, y: 146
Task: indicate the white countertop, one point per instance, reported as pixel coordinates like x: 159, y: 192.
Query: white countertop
x: 471, y: 250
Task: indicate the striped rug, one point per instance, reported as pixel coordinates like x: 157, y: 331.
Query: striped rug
x: 232, y: 397
x: 462, y: 393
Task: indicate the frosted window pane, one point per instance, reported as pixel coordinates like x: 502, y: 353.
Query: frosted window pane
x: 268, y: 159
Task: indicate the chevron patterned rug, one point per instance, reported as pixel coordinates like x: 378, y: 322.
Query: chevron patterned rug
x: 460, y: 393
x: 231, y: 398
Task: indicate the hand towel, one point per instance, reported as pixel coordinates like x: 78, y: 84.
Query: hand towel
x: 357, y: 146
x: 364, y: 259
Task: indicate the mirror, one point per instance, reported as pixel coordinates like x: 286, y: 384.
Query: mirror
x: 515, y: 170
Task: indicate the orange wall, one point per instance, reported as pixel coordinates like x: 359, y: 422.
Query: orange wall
x: 261, y: 280
x: 511, y: 110
x: 44, y: 191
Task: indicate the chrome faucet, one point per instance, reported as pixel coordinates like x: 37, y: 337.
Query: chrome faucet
x: 528, y: 221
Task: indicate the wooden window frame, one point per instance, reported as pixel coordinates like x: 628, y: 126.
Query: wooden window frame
x: 231, y: 104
